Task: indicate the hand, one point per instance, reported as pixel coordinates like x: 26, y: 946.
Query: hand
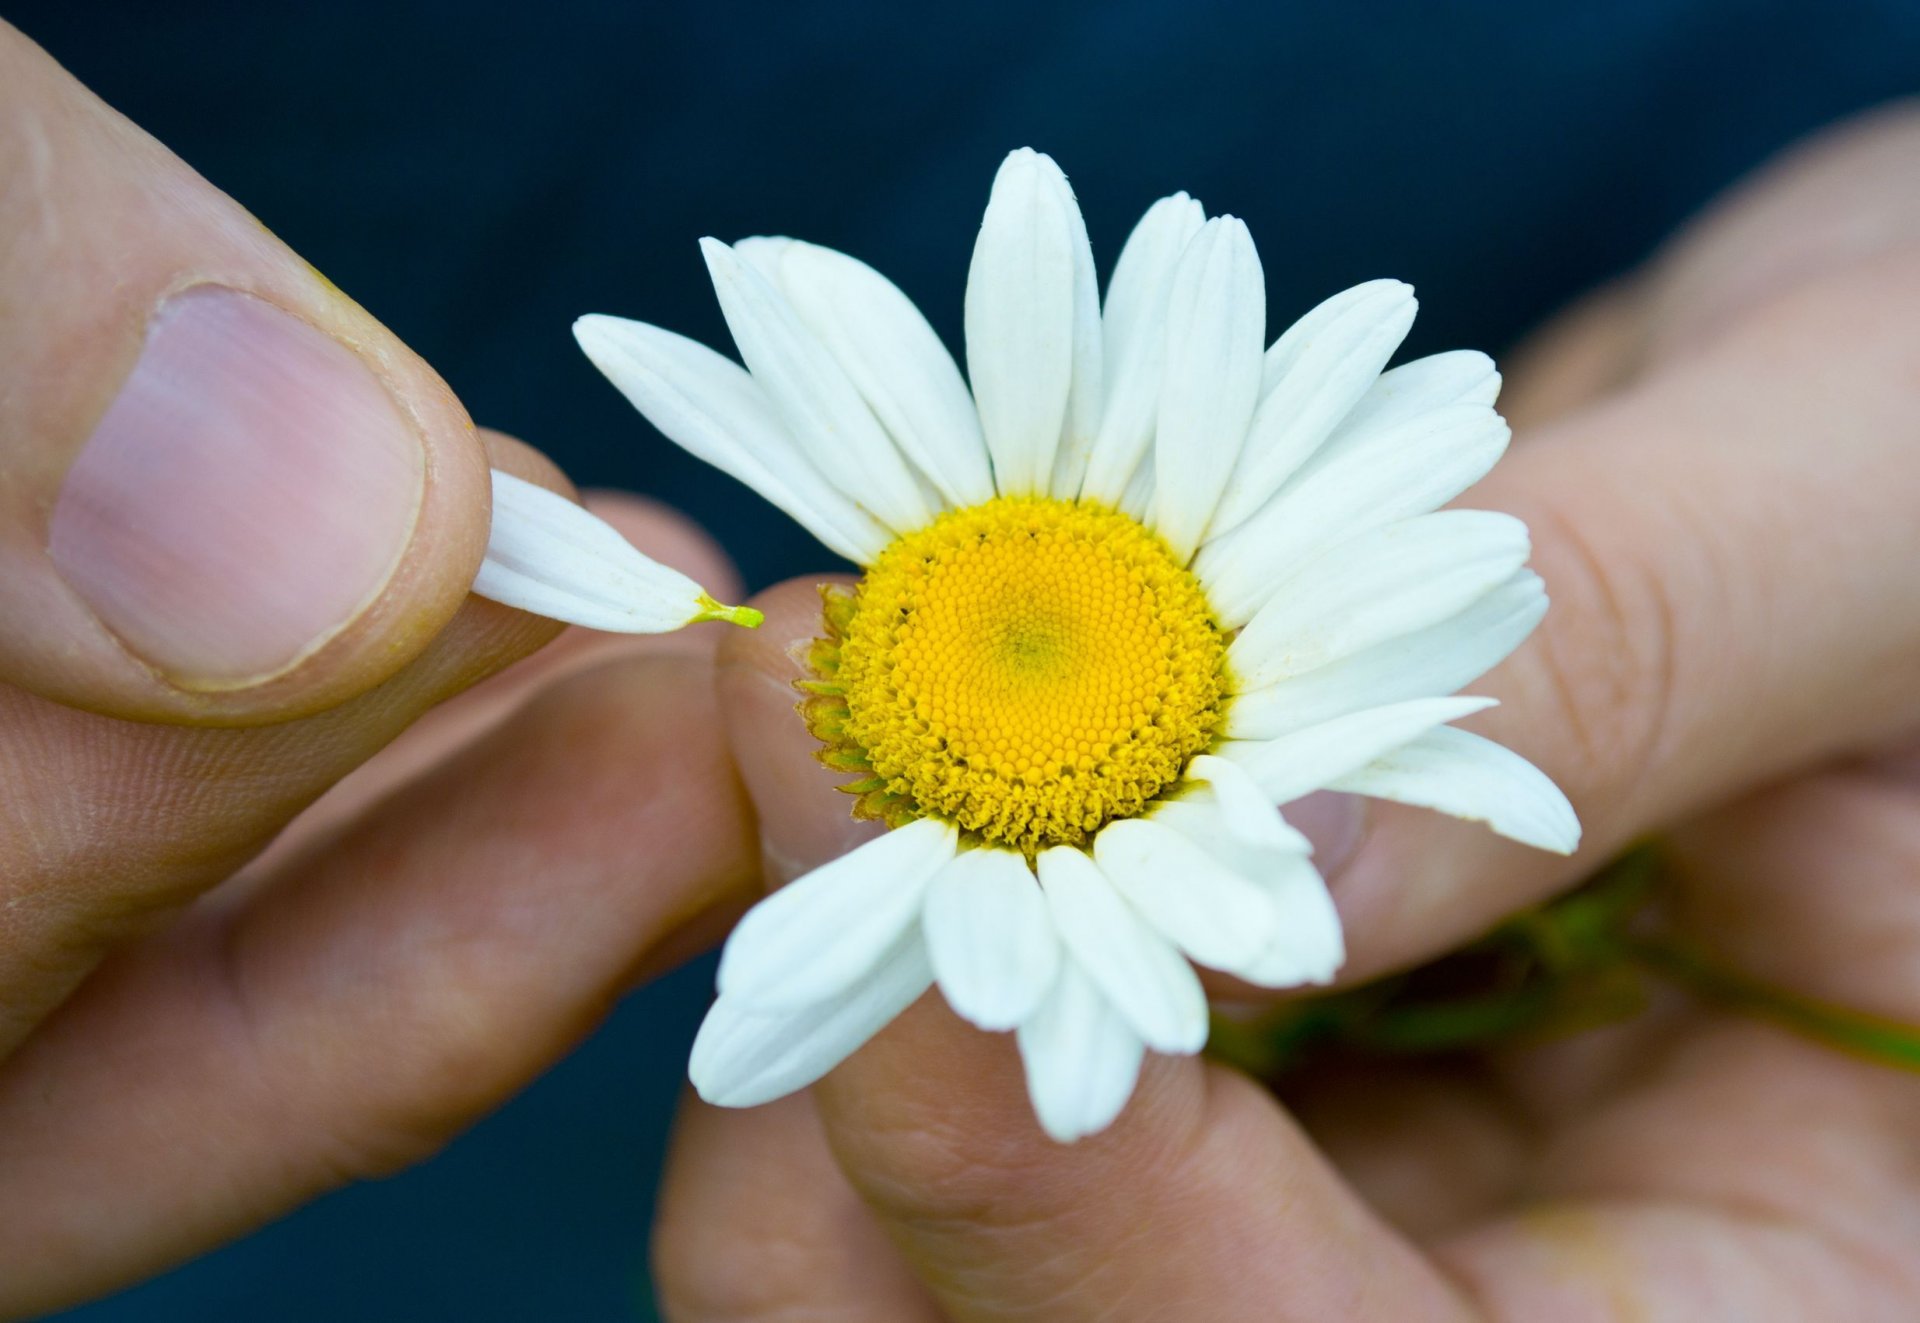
x: 238, y: 521
x: 1719, y: 467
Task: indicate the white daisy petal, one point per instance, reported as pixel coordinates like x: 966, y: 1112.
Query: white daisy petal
x: 1020, y: 320
x: 1210, y: 377
x: 1314, y: 375
x: 1438, y: 660
x: 1082, y: 422
x: 1137, y: 501
x: 1134, y: 327
x: 1314, y: 758
x: 1380, y: 585
x: 1208, y: 910
x: 1460, y: 376
x: 892, y: 356
x: 1305, y: 943
x: 1308, y: 945
x: 822, y: 933
x: 551, y: 557
x: 1138, y: 970
x: 710, y: 407
x: 1081, y: 1059
x: 822, y: 409
x: 1462, y: 774
x: 1248, y: 813
x: 1357, y: 483
x: 742, y: 1058
x: 992, y: 943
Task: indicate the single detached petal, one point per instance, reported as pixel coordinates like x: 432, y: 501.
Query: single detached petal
x: 1380, y: 585
x: 992, y: 943
x: 1430, y: 663
x: 551, y: 557
x: 1020, y: 318
x: 1462, y: 774
x: 742, y: 1057
x: 892, y: 356
x: 1082, y: 422
x: 1139, y: 971
x: 710, y: 407
x: 1205, y: 908
x: 1210, y: 377
x: 822, y: 409
x: 1314, y: 375
x: 1314, y: 758
x: 1081, y: 1059
x: 1357, y: 482
x: 1134, y: 327
x: 823, y: 932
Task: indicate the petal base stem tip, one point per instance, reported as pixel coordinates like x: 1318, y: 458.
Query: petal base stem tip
x: 746, y: 617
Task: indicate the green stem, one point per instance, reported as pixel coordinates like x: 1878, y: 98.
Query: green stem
x: 1875, y: 1037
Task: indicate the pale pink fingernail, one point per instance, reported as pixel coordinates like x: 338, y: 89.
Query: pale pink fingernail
x: 248, y: 491
x: 1333, y: 822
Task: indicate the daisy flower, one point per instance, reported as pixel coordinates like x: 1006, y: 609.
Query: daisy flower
x: 1143, y: 580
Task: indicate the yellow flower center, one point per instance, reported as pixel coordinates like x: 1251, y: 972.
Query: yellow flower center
x: 1029, y: 669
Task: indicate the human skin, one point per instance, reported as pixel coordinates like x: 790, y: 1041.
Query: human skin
x: 309, y: 915
x: 1719, y: 458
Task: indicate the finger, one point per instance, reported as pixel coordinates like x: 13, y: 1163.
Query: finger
x: 1202, y: 1201
x: 230, y: 496
x: 757, y: 1225
x: 1740, y: 1169
x: 376, y: 998
x: 108, y: 826
x: 1719, y: 541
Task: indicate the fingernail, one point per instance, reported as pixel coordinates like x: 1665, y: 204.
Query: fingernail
x: 1333, y: 822
x: 248, y: 492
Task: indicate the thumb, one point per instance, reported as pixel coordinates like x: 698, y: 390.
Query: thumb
x: 228, y: 494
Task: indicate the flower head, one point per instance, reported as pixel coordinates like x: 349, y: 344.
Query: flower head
x: 1144, y: 580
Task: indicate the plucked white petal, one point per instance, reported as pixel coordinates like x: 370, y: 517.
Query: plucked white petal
x: 1134, y: 328
x: 1459, y: 376
x: 1467, y: 776
x: 1383, y: 584
x: 812, y: 394
x: 892, y: 356
x: 1359, y: 481
x: 742, y: 1058
x: 1314, y: 375
x: 823, y: 932
x: 1304, y: 944
x: 1206, y: 909
x: 1210, y: 377
x: 1020, y: 320
x: 551, y: 557
x: 990, y: 937
x: 1081, y: 1059
x: 1438, y: 660
x: 710, y: 407
x: 1247, y: 811
x: 1084, y: 397
x: 1314, y: 758
x: 1139, y: 971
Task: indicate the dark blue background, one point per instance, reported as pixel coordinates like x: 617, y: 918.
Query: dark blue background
x: 477, y: 175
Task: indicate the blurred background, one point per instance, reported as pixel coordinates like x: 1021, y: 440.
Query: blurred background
x: 477, y: 175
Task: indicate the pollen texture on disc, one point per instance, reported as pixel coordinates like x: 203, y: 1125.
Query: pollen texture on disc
x: 1029, y: 669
